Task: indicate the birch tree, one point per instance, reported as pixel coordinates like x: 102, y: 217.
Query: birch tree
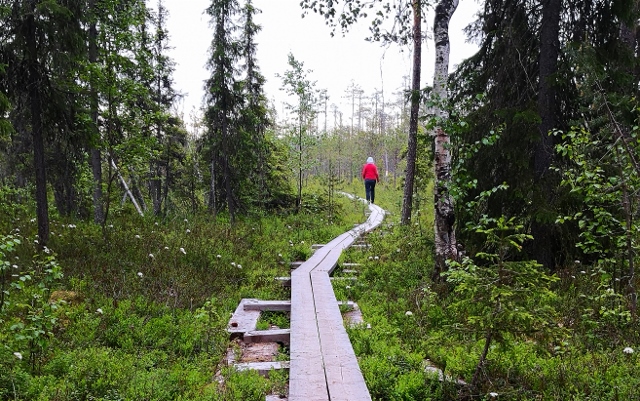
x: 445, y: 238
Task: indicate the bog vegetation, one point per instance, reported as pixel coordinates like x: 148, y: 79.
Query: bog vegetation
x: 128, y: 234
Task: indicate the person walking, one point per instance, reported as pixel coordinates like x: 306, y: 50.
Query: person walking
x: 370, y: 177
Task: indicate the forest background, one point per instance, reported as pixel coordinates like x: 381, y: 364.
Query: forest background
x: 113, y: 205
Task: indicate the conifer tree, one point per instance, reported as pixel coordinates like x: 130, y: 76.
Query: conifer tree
x: 223, y: 99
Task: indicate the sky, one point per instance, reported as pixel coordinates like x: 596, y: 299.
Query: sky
x: 334, y: 62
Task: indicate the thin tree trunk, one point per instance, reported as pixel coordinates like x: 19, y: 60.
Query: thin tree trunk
x: 407, y: 199
x: 543, y: 241
x: 630, y: 253
x: 96, y: 154
x: 445, y: 238
x: 483, y: 357
x: 126, y: 188
x: 35, y: 103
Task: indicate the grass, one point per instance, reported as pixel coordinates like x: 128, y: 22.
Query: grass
x: 137, y: 318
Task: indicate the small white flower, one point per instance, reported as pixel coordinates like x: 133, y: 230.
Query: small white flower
x: 14, y: 266
x: 376, y: 257
x: 32, y: 220
x: 348, y: 287
x: 493, y: 394
x: 186, y: 221
x: 577, y: 262
x: 233, y: 264
x: 583, y: 272
x: 140, y: 274
x: 110, y: 225
x: 52, y: 233
x: 16, y: 258
x: 239, y: 266
x: 398, y: 250
x: 253, y: 229
x: 99, y: 311
x: 188, y: 231
x: 628, y: 350
x: 572, y: 276
x: 290, y: 244
x: 370, y: 257
x: 289, y: 227
x: 302, y: 242
x: 183, y: 251
x: 17, y: 355
x: 47, y: 250
x: 137, y: 236
x: 279, y: 255
x: 36, y: 241
x: 368, y: 325
x: 166, y: 248
x: 408, y: 313
x: 156, y: 223
x: 151, y: 256
x: 218, y: 256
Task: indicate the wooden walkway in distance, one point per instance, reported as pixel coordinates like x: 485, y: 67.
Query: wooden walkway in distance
x: 323, y: 365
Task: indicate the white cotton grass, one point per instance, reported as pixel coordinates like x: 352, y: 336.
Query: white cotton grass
x: 239, y: 266
x: 17, y: 355
x: 219, y: 256
x: 99, y: 311
x: 188, y: 231
x: 408, y: 313
x: 233, y: 264
x: 151, y: 256
x: 140, y: 274
x: 628, y: 350
x: 137, y: 236
x: 183, y: 251
x: 493, y: 394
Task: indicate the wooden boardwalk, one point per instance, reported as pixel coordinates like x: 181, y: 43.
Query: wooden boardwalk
x: 323, y: 365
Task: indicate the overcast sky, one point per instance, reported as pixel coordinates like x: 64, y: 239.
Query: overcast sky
x: 335, y: 62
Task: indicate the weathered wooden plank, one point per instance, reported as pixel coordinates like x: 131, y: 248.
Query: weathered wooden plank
x: 344, y: 378
x: 259, y: 336
x: 285, y: 281
x: 317, y: 374
x: 261, y: 305
x: 306, y: 374
x: 350, y: 271
x: 242, y: 320
x: 262, y: 367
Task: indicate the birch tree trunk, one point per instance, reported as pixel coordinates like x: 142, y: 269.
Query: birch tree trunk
x: 407, y: 199
x: 445, y: 239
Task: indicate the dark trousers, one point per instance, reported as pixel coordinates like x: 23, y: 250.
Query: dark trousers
x: 370, y: 190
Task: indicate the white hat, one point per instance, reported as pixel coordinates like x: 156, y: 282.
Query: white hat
x: 370, y: 160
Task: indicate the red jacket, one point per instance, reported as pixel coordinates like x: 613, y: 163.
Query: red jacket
x: 370, y: 172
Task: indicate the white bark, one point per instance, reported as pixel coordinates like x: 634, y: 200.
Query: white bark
x: 445, y: 240
x: 126, y: 188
